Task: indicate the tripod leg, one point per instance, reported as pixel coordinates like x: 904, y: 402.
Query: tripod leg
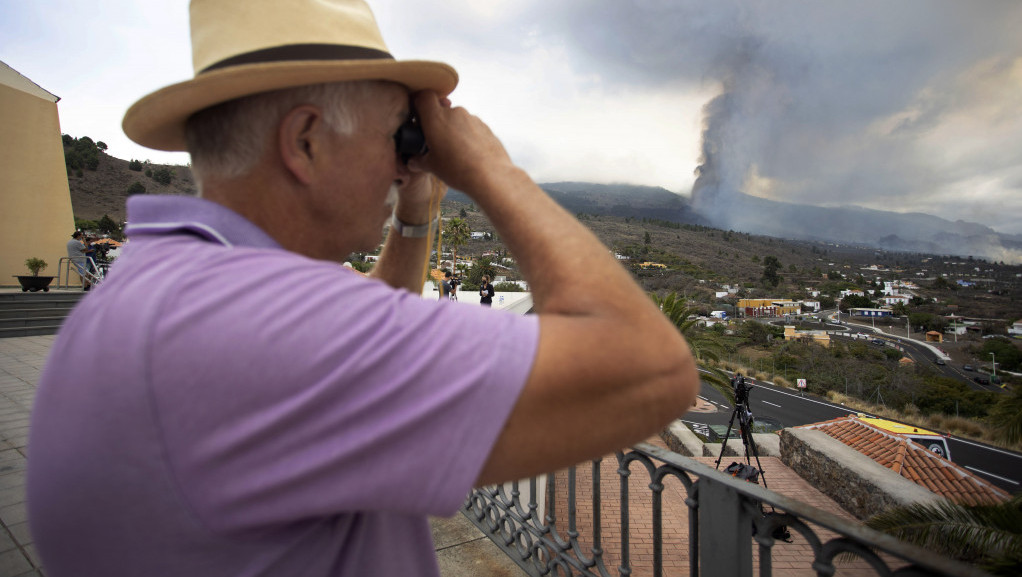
x: 750, y: 443
x: 727, y: 436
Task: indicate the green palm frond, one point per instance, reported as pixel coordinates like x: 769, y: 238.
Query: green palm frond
x: 989, y: 535
x: 1006, y: 416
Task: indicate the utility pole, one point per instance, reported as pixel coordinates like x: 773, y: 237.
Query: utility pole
x: 993, y: 365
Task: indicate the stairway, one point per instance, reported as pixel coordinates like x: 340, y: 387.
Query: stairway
x: 32, y: 314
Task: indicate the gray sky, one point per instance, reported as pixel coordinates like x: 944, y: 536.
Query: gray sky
x: 910, y: 106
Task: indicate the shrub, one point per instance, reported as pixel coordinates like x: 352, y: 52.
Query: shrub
x: 135, y: 165
x: 508, y: 287
x: 163, y: 175
x: 136, y: 188
x: 149, y: 172
x: 34, y: 265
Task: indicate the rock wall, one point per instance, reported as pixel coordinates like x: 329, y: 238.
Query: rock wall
x: 857, y: 483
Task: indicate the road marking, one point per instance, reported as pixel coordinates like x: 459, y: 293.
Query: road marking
x: 769, y: 403
x: 982, y: 472
x: 987, y: 447
x: 698, y: 428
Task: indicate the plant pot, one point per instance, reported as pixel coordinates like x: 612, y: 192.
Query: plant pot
x: 35, y: 283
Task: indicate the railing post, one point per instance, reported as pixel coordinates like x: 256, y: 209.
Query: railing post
x: 725, y: 531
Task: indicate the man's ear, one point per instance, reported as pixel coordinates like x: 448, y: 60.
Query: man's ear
x: 299, y: 141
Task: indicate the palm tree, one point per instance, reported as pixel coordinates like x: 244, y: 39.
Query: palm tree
x: 988, y: 535
x: 1006, y: 417
x: 705, y: 345
x: 456, y: 232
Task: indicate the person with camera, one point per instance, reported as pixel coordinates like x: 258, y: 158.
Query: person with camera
x: 449, y: 287
x: 455, y: 283
x: 276, y: 413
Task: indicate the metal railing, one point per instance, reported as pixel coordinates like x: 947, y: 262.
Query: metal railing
x: 725, y: 518
x: 93, y: 272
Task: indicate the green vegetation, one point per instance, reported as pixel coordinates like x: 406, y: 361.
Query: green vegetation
x: 136, y: 188
x: 455, y: 234
x: 770, y: 267
x: 104, y: 225
x: 34, y: 265
x: 986, y: 535
x: 870, y: 378
x: 508, y: 287
x: 163, y: 175
x: 1005, y: 352
x: 81, y: 153
x: 135, y: 165
x: 474, y: 279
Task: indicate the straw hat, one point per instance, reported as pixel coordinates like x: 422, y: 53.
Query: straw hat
x: 244, y: 47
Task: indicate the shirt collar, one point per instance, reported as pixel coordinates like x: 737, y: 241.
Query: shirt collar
x: 166, y: 215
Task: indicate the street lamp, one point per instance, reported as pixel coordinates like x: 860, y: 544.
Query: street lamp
x: 993, y: 365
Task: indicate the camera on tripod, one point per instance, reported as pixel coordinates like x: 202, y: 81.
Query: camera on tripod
x: 741, y: 388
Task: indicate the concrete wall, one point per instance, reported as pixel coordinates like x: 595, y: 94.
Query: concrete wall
x: 860, y: 485
x: 36, y: 219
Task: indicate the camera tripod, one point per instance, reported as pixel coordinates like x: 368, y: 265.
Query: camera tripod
x: 745, y: 420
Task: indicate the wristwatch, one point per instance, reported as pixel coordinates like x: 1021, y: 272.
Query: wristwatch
x: 411, y: 230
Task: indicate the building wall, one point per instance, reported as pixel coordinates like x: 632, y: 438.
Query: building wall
x: 36, y: 220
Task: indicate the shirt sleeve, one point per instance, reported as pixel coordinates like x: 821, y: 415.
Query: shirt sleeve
x: 304, y: 390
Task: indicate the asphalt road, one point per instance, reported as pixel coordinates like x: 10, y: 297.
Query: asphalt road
x: 784, y: 408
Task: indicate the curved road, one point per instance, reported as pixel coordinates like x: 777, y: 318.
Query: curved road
x: 915, y: 350
x: 785, y: 408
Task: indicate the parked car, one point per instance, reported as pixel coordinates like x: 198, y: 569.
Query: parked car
x: 967, y: 368
x: 981, y: 380
x: 940, y: 361
x: 878, y: 342
x: 935, y: 442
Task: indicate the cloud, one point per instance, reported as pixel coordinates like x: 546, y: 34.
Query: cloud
x: 912, y: 105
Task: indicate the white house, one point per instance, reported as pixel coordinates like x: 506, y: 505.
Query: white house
x: 892, y: 300
x: 1015, y: 329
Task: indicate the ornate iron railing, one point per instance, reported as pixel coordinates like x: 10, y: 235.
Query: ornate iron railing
x: 724, y: 517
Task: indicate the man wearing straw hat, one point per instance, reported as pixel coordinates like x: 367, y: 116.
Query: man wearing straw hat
x: 269, y: 411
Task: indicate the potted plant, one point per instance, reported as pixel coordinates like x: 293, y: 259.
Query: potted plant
x: 35, y: 282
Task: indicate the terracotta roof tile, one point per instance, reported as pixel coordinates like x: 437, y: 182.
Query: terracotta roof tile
x: 912, y: 461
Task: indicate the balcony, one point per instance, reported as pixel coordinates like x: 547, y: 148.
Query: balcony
x: 653, y: 512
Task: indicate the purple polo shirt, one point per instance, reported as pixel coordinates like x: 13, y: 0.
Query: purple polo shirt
x: 221, y: 406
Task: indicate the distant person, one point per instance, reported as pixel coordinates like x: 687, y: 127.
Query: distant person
x: 77, y: 251
x: 266, y: 411
x: 486, y: 292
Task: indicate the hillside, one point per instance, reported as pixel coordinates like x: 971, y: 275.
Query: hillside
x: 103, y: 191
x: 700, y: 258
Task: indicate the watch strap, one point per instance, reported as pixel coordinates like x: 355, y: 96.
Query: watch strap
x: 411, y: 230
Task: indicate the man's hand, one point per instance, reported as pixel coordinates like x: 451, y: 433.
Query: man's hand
x: 463, y: 151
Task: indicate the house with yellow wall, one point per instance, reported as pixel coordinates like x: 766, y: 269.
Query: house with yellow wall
x: 769, y: 307
x: 36, y: 220
x: 818, y: 337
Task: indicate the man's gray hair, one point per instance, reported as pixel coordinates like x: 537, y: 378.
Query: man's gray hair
x: 228, y: 139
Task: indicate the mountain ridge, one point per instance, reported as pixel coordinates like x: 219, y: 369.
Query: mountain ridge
x: 105, y: 190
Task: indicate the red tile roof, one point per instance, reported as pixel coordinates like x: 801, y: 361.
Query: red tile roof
x: 912, y: 461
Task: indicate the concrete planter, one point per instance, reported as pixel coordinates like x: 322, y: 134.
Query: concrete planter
x: 35, y: 283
